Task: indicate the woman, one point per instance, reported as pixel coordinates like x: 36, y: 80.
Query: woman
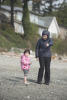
x: 43, y: 53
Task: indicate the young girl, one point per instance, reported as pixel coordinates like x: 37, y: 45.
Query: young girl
x: 25, y: 64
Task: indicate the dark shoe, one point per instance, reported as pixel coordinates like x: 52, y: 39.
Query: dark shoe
x: 47, y: 83
x: 39, y: 82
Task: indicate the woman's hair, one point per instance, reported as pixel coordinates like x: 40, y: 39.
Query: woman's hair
x: 27, y: 50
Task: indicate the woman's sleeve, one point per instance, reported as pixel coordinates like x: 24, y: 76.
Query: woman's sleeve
x: 50, y: 42
x: 37, y: 49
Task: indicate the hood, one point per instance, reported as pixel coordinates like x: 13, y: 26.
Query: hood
x: 46, y: 32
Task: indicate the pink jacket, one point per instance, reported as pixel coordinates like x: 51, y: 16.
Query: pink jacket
x: 25, y: 62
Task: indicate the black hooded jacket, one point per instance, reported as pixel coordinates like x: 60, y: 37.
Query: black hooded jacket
x: 41, y: 49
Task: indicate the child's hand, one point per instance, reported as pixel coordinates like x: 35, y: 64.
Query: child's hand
x: 30, y: 63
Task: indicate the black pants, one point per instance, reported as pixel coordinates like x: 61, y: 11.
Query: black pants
x: 44, y: 64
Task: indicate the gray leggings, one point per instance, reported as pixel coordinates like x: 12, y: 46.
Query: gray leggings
x: 25, y: 72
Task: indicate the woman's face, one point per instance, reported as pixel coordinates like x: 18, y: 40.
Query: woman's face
x: 44, y: 37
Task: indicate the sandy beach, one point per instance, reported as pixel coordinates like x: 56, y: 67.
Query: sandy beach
x: 12, y: 86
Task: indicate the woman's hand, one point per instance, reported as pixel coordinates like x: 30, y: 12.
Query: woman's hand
x: 37, y: 59
x: 47, y: 44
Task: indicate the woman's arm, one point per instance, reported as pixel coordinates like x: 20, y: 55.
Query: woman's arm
x: 50, y: 43
x: 37, y: 49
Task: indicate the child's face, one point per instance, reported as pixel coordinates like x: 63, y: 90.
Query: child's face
x: 44, y: 37
x: 27, y: 54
